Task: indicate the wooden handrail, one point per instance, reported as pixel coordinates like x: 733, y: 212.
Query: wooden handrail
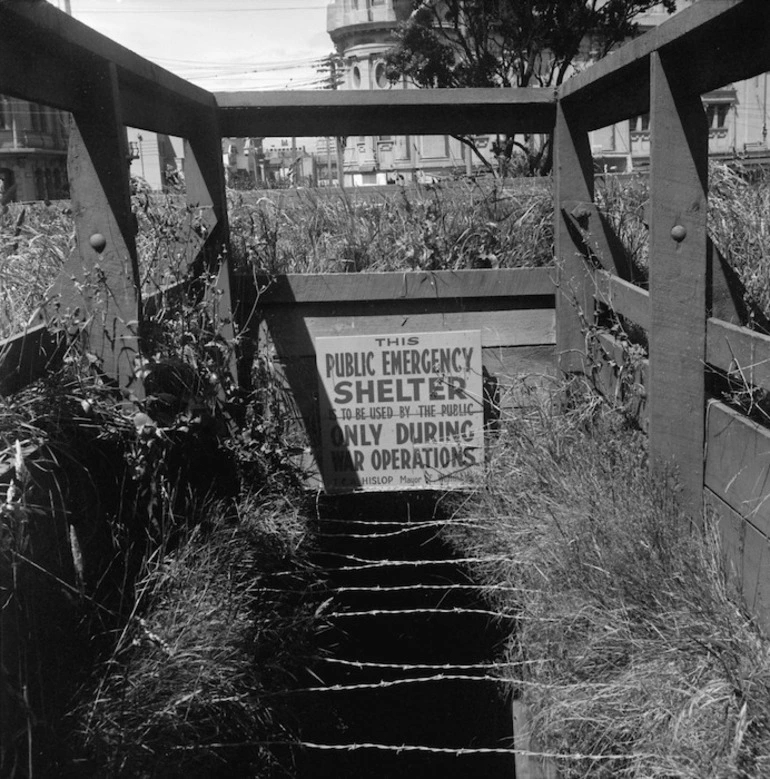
x: 45, y: 55
x: 740, y: 353
x: 418, y: 285
x: 713, y: 42
x: 395, y: 111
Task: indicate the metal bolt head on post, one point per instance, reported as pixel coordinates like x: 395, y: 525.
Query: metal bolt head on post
x: 98, y: 242
x: 678, y: 233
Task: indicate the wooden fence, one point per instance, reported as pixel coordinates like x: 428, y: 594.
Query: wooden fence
x: 692, y: 311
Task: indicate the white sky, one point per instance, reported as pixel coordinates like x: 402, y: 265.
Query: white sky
x: 218, y: 44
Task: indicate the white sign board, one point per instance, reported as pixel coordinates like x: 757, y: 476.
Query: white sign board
x: 401, y: 411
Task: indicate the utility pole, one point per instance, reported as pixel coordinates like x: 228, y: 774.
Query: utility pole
x: 332, y: 66
x: 337, y: 140
x: 764, y: 116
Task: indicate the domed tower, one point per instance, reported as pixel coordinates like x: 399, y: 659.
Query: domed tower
x: 362, y: 32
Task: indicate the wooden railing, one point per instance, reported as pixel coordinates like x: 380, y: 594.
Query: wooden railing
x: 691, y: 312
x: 49, y: 58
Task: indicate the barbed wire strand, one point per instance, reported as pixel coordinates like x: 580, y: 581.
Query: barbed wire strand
x: 429, y: 666
x: 404, y: 587
x: 419, y: 523
x: 432, y: 561
x: 405, y: 612
x: 395, y: 563
x: 419, y: 748
x: 511, y: 680
x: 394, y: 683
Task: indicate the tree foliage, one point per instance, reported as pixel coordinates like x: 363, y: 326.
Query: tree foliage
x: 508, y: 43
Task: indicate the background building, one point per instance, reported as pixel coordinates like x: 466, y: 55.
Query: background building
x: 33, y: 150
x: 156, y: 158
x: 361, y: 31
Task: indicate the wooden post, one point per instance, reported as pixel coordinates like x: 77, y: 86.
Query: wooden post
x: 573, y: 166
x: 205, y: 180
x: 340, y: 161
x: 528, y: 764
x: 99, y: 286
x: 205, y: 185
x: 678, y: 251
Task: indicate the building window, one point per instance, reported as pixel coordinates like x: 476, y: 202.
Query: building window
x: 380, y: 76
x: 640, y: 124
x: 34, y: 116
x: 716, y: 115
x: 356, y: 77
x: 38, y: 118
x: 4, y: 114
x: 7, y: 179
x: 40, y: 192
x: 722, y: 110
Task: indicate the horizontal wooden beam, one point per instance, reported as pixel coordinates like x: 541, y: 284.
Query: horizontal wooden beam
x: 44, y: 54
x: 710, y: 44
x: 396, y: 111
x: 738, y: 463
x: 623, y: 297
x: 739, y: 352
x: 294, y: 330
x: 409, y: 285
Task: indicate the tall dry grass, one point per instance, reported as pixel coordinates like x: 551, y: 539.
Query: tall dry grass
x: 740, y: 226
x: 432, y: 227
x: 187, y: 688
x: 737, y: 223
x: 446, y: 226
x: 641, y: 658
x: 98, y: 535
x: 35, y: 241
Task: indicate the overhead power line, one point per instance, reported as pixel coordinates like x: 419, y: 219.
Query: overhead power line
x: 293, y: 63
x: 210, y: 10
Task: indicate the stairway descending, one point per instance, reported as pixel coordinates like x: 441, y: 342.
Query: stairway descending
x: 412, y: 645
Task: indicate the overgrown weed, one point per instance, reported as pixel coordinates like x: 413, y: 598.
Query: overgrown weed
x: 186, y: 691
x: 429, y: 227
x: 96, y: 544
x: 35, y: 241
x: 642, y: 659
x: 738, y: 224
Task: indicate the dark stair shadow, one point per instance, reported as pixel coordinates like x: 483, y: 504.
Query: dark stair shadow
x: 439, y: 714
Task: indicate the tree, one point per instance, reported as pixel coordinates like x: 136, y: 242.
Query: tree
x: 509, y: 43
